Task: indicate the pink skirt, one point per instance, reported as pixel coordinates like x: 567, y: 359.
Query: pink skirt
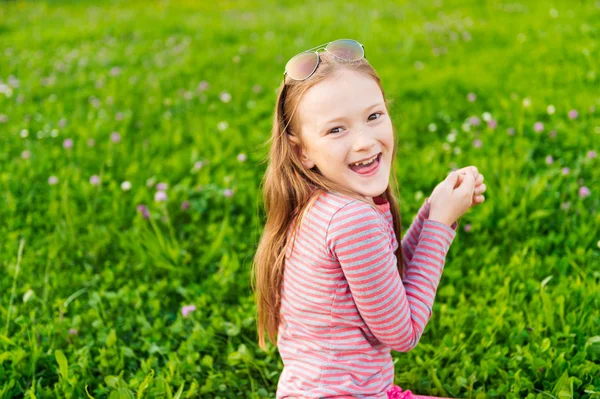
x: 397, y: 393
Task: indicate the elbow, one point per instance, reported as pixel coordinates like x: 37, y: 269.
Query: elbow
x: 405, y: 346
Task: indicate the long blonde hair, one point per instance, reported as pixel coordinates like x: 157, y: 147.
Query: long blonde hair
x: 289, y: 189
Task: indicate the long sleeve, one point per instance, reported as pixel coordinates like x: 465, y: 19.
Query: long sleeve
x: 411, y: 237
x: 395, y: 310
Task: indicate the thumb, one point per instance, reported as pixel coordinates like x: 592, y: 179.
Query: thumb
x: 452, y: 178
x: 468, y: 183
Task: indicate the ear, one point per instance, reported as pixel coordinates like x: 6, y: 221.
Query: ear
x: 301, y: 152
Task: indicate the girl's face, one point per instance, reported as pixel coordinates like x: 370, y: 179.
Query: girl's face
x: 344, y: 120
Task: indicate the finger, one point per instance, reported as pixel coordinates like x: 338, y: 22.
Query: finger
x: 470, y: 176
x: 462, y: 173
x: 460, y: 179
x: 478, y: 199
x: 479, y: 180
x: 467, y: 169
x: 453, y: 177
x: 469, y: 184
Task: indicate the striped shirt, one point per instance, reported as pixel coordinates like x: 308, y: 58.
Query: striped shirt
x: 344, y: 306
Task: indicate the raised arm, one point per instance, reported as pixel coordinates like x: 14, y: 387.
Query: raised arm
x: 411, y: 237
x: 395, y: 311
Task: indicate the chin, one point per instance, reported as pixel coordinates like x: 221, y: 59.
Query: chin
x: 375, y: 192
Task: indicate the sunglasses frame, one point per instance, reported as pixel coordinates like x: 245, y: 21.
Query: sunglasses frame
x: 316, y: 51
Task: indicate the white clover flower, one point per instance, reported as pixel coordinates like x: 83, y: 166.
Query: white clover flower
x: 223, y: 125
x: 225, y: 97
x: 28, y: 295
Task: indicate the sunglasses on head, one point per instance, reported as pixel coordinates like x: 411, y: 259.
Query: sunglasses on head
x: 303, y: 65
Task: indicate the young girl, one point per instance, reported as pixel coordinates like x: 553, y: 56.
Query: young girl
x: 334, y: 290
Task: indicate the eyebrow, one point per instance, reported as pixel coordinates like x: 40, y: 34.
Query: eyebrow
x: 342, y: 117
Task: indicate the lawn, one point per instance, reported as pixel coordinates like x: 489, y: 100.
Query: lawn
x: 133, y: 142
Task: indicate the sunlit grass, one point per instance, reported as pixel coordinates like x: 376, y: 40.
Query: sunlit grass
x: 132, y: 137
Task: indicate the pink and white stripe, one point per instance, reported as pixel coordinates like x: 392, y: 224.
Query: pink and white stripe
x: 344, y: 306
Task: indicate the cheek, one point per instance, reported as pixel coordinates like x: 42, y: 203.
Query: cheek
x: 387, y: 137
x: 337, y: 153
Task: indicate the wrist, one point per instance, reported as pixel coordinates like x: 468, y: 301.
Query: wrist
x: 441, y: 220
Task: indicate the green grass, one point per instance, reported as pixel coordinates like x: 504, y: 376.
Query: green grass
x: 92, y: 291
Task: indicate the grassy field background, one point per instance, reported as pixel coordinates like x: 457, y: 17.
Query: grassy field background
x: 132, y: 147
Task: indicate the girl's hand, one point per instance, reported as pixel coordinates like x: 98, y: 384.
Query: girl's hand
x: 480, y: 188
x: 450, y: 200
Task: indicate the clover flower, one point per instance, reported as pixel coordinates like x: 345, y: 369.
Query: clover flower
x: 584, y: 191
x: 186, y: 310
x: 160, y: 196
x: 143, y: 209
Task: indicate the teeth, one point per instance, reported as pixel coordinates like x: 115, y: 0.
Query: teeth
x: 365, y: 162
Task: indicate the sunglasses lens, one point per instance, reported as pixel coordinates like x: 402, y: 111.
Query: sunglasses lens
x: 302, y: 65
x: 346, y: 49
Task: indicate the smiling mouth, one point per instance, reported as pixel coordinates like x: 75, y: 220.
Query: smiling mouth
x: 369, y: 168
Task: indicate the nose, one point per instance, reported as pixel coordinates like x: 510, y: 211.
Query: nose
x: 364, y: 141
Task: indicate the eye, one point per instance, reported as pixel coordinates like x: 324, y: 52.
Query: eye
x: 376, y: 113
